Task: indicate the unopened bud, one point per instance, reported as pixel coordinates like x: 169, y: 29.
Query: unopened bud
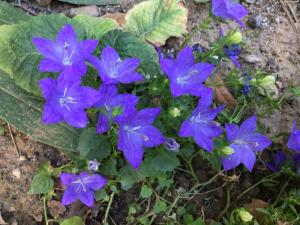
x: 245, y: 215
x: 227, y: 150
x: 267, y: 82
x: 234, y: 37
x: 175, y: 112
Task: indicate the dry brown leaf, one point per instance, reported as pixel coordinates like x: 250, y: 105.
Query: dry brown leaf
x: 223, y: 95
x: 119, y: 17
x: 254, y: 205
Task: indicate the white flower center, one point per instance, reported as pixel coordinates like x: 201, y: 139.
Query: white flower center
x: 65, y: 100
x: 134, y: 130
x: 67, y: 59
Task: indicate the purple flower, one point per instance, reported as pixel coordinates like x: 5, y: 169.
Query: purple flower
x: 246, y: 87
x: 66, y: 53
x: 114, y: 106
x: 66, y: 101
x: 296, y: 159
x: 279, y: 158
x: 201, y: 125
x: 245, y: 142
x: 81, y: 187
x: 171, y: 144
x: 136, y: 132
x: 112, y: 69
x: 185, y: 76
x: 93, y: 165
x: 227, y: 9
x: 294, y: 139
x: 233, y: 52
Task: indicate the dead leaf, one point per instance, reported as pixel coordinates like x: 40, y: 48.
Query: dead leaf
x: 223, y: 95
x: 2, y: 222
x: 56, y: 208
x: 254, y: 205
x: 91, y: 10
x: 119, y: 17
x: 233, y: 178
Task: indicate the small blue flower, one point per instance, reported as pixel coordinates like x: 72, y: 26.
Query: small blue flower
x: 246, y: 87
x: 233, y: 52
x: 93, y: 165
x: 170, y: 144
x: 279, y: 159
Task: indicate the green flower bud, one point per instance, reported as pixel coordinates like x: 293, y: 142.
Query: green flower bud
x: 175, y: 112
x: 267, y: 82
x: 245, y: 215
x: 234, y: 37
x: 227, y: 150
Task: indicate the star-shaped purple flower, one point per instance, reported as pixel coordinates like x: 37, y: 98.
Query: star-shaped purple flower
x: 113, y: 106
x: 185, y: 76
x: 245, y: 142
x: 294, y: 139
x: 233, y: 52
x: 201, y: 125
x: 66, y: 53
x: 66, y: 101
x: 81, y: 187
x: 136, y: 132
x: 112, y: 69
x: 228, y: 9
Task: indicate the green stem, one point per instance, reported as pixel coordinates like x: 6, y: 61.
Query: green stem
x: 45, y: 211
x: 108, y: 207
x: 227, y: 203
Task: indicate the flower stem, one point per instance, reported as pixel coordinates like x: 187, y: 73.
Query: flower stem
x: 108, y: 208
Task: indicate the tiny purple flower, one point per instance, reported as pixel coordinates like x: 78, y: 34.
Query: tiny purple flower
x: 66, y: 101
x: 294, y: 139
x: 113, y: 106
x: 136, y: 132
x: 93, y: 165
x: 227, y: 9
x: 66, y: 53
x: 279, y: 159
x: 246, y: 87
x: 171, y: 144
x: 185, y: 76
x: 81, y: 187
x: 245, y: 142
x: 201, y: 125
x: 233, y: 52
x: 112, y: 69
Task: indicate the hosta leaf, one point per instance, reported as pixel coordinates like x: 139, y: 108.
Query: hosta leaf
x: 93, y: 2
x: 96, y: 27
x: 127, y: 45
x: 23, y: 111
x: 157, y: 20
x: 18, y: 56
x: 11, y: 15
x: 75, y: 220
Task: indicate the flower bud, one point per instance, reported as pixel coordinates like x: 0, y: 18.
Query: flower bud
x: 245, y: 215
x: 234, y: 37
x: 175, y: 112
x: 93, y: 165
x: 170, y: 144
x: 227, y: 150
x: 267, y: 82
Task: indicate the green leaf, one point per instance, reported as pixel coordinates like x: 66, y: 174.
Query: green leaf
x: 23, y: 111
x: 100, y: 195
x: 76, y: 220
x: 146, y: 192
x: 109, y: 167
x: 96, y: 27
x: 160, y: 207
x: 129, y: 176
x: 93, y: 146
x: 164, y: 160
x: 201, y: 1
x: 127, y: 45
x: 10, y: 14
x: 42, y: 182
x: 93, y: 2
x: 157, y: 20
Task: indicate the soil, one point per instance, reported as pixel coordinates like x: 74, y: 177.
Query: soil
x: 276, y: 49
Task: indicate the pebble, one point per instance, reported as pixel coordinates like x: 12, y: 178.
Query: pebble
x: 252, y: 59
x: 250, y: 1
x: 43, y: 3
x: 85, y: 10
x: 256, y: 21
x: 16, y: 173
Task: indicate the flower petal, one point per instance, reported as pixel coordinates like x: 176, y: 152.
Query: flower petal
x: 103, y: 124
x: 51, y: 114
x: 69, y: 196
x: 185, y: 58
x: 248, y: 158
x: 48, y: 65
x: 151, y: 136
x: 87, y: 198
x: 95, y: 182
x: 89, y: 97
x: 87, y: 47
x: 67, y: 178
x: 186, y: 129
x: 76, y: 118
x: 107, y: 92
x: 47, y: 86
x: 67, y: 35
x: 130, y: 78
x: 47, y: 48
x: 231, y: 161
x: 232, y: 131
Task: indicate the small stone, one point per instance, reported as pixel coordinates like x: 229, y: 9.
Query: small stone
x: 43, y: 3
x: 16, y: 173
x: 256, y: 21
x: 250, y: 1
x: 252, y: 59
x: 85, y: 10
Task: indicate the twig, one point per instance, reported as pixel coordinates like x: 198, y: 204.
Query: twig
x: 13, y: 140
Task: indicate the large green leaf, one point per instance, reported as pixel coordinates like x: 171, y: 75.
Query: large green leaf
x: 128, y: 45
x: 93, y: 2
x: 18, y: 56
x: 157, y: 20
x: 75, y: 220
x: 23, y: 111
x: 96, y: 27
x: 11, y: 15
